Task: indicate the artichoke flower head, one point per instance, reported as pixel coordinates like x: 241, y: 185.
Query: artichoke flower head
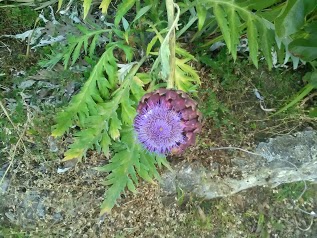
x: 167, y: 121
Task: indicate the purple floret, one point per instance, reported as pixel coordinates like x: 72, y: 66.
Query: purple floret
x: 159, y: 128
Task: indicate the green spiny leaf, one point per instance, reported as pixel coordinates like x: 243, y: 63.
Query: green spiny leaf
x: 60, y: 3
x: 220, y: 15
x: 64, y: 121
x: 266, y: 36
x: 181, y: 63
x: 260, y: 4
x: 86, y: 5
x: 93, y: 45
x: 104, y: 6
x: 136, y: 88
x: 103, y: 87
x: 306, y: 49
x: 85, y: 139
x: 76, y: 52
x: 151, y: 44
x: 115, y: 126
x: 161, y: 160
x: 86, y: 45
x: 182, y: 52
x: 202, y: 14
x: 182, y: 81
x: 252, y: 34
x: 141, y: 12
x: 105, y: 143
x: 83, y: 30
x: 73, y: 153
x: 128, y: 112
x: 123, y: 8
x: 67, y: 54
x: 113, y: 193
x: 78, y: 103
x: 233, y: 18
x: 132, y: 172
x: 144, y: 174
x: 293, y: 16
x: 165, y: 55
x: 131, y: 186
x: 91, y: 106
x: 127, y: 50
x: 234, y: 23
x: 121, y: 164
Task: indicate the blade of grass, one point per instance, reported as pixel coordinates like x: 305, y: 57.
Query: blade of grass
x: 306, y: 90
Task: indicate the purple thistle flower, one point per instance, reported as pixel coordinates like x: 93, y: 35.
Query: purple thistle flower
x: 167, y: 121
x: 159, y: 129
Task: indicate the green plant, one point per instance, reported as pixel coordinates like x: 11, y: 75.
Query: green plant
x: 215, y: 110
x: 293, y: 191
x: 302, y: 37
x: 16, y: 19
x: 104, y: 109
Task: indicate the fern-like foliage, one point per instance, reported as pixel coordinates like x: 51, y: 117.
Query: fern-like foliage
x: 76, y: 45
x: 129, y: 162
x: 104, y: 109
x: 186, y: 77
x: 95, y: 90
x: 236, y: 18
x: 123, y: 7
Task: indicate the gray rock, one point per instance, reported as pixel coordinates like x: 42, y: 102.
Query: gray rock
x: 283, y: 159
x: 4, y: 182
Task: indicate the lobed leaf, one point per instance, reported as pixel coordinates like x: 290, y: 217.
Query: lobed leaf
x: 187, y: 69
x: 104, y: 6
x: 59, y: 5
x: 165, y: 55
x: 127, y: 111
x: 202, y: 14
x: 124, y: 167
x: 267, y: 38
x: 234, y: 24
x: 115, y: 126
x: 237, y: 17
x: 151, y: 44
x: 141, y: 12
x: 93, y: 45
x: 221, y: 15
x: 252, y: 34
x: 182, y: 52
x: 105, y: 143
x: 123, y: 8
x: 306, y: 49
x: 293, y: 16
x: 86, y: 5
x: 76, y: 52
x: 260, y: 4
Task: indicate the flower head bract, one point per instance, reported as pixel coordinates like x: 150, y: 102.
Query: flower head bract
x: 167, y: 121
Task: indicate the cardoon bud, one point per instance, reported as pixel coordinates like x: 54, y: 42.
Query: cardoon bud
x: 167, y: 121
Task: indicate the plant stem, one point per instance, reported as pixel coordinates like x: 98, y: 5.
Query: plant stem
x: 170, y: 17
x: 138, y: 7
x: 30, y: 37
